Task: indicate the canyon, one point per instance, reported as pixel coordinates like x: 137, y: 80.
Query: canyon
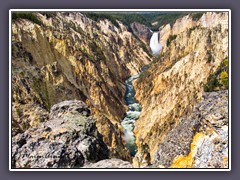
x: 100, y: 94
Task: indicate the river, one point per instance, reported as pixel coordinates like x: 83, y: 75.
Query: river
x: 134, y: 108
x: 133, y: 113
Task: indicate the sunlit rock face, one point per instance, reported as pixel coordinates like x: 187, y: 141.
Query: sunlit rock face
x: 174, y: 83
x: 155, y: 44
x: 200, y: 140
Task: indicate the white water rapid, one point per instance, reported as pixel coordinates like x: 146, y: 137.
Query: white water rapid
x: 134, y: 110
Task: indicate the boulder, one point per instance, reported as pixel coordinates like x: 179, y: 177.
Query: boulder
x: 110, y: 163
x: 199, y: 140
x: 68, y: 140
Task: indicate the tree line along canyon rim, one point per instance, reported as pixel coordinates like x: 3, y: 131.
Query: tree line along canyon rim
x: 120, y: 90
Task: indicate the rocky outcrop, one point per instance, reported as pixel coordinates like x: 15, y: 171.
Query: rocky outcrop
x: 199, y: 140
x: 110, y: 163
x: 174, y: 83
x: 207, y: 20
x: 142, y: 32
x: 69, y: 56
x: 68, y: 139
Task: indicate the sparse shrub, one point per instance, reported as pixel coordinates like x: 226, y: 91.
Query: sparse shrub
x: 224, y: 78
x: 49, y: 14
x: 146, y: 77
x: 19, y: 112
x: 84, y: 52
x: 196, y: 16
x: 143, y: 76
x: 26, y: 15
x: 219, y: 79
x: 210, y: 57
x: 171, y: 38
x: 162, y: 19
x: 101, y: 16
x: 211, y: 84
x: 74, y: 26
x: 97, y: 51
x: 144, y: 47
x: 209, y: 39
x: 41, y: 88
x: 225, y: 63
x: 192, y: 28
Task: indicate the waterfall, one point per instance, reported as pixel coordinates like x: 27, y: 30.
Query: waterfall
x: 155, y: 45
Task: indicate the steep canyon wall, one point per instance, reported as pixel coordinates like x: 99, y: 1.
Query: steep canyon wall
x: 69, y: 56
x: 169, y: 89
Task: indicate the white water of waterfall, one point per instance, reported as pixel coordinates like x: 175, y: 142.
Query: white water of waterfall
x: 155, y: 44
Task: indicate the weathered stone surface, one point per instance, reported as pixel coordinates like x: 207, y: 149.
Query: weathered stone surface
x: 142, y: 32
x: 201, y: 139
x: 110, y: 163
x: 69, y: 139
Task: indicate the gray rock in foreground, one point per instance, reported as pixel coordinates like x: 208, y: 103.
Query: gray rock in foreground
x: 209, y: 121
x: 69, y: 139
x: 110, y: 163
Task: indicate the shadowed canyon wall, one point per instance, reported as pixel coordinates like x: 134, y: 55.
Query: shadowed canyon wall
x: 69, y: 56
